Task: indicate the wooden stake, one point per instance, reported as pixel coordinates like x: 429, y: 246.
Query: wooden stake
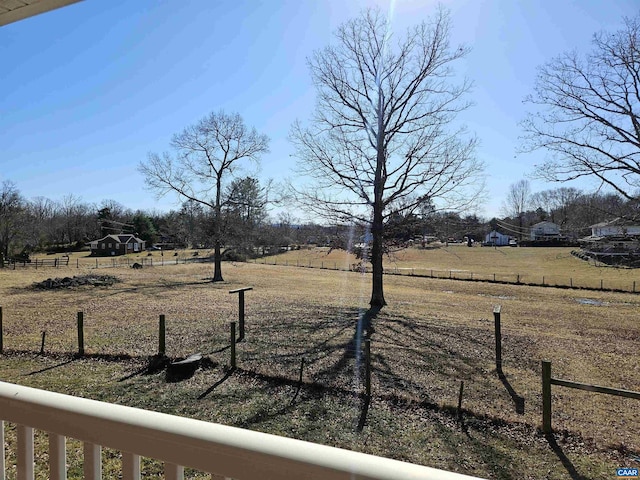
x: 498, y: 335
x: 233, y: 344
x: 161, y: 335
x: 546, y: 397
x: 44, y: 334
x: 80, y: 333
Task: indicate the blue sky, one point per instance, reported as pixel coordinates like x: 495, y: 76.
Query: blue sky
x: 90, y: 89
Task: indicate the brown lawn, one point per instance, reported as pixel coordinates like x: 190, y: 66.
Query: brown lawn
x: 434, y: 334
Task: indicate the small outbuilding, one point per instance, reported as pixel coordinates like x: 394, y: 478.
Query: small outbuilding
x: 112, y: 245
x: 497, y: 239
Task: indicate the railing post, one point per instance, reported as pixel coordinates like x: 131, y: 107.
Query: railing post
x: 92, y: 467
x: 546, y: 397
x: 57, y: 457
x: 130, y: 466
x: 173, y: 472
x: 161, y: 335
x: 498, y: 335
x: 80, y: 333
x: 25, y: 453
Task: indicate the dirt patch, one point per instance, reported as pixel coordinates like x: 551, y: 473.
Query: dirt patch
x: 74, y: 282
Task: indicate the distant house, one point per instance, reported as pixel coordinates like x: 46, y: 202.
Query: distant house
x: 497, y: 239
x: 117, y: 245
x: 545, y: 231
x: 617, y: 227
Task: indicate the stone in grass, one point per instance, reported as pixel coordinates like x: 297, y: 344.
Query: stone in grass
x: 183, y: 369
x: 136, y: 266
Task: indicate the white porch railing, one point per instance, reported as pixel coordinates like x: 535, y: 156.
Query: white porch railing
x: 178, y: 442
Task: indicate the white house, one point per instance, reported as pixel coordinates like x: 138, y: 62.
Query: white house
x: 617, y: 227
x: 545, y: 231
x: 496, y: 239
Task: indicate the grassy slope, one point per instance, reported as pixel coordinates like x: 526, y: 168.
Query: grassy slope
x: 434, y: 334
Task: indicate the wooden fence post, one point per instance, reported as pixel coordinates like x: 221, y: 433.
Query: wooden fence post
x: 367, y: 374
x: 460, y: 400
x: 240, y: 292
x: 546, y: 397
x: 241, y: 314
x: 498, y: 335
x: 161, y: 336
x: 80, y: 333
x: 233, y: 344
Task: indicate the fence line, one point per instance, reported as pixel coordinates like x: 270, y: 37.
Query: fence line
x: 505, y: 279
x: 548, y: 380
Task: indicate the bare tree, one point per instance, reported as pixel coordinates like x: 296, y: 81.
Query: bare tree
x: 587, y: 113
x: 517, y: 202
x: 12, y: 209
x: 382, y: 132
x: 557, y: 202
x: 207, y: 154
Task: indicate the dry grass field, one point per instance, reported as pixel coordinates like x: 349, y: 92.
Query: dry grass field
x: 434, y: 334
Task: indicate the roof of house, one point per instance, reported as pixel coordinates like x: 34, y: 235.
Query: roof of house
x: 616, y: 222
x: 545, y: 223
x: 122, y: 238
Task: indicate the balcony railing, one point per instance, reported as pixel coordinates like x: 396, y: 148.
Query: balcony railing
x: 178, y: 442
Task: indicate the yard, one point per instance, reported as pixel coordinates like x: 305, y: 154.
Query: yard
x: 433, y: 335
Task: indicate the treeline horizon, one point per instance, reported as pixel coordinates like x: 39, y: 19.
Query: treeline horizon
x: 41, y: 224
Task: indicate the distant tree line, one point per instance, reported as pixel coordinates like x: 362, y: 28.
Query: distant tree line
x: 44, y: 225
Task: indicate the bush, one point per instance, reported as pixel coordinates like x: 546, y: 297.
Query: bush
x: 233, y: 255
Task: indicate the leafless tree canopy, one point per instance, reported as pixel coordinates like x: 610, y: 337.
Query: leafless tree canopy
x: 518, y: 199
x: 587, y: 113
x: 206, y: 155
x: 383, y: 132
x: 376, y: 95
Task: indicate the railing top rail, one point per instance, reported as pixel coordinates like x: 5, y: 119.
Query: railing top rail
x: 220, y: 449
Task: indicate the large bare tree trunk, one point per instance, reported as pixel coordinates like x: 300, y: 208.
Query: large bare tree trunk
x: 377, y: 251
x: 217, y: 253
x: 377, y: 225
x: 217, y: 262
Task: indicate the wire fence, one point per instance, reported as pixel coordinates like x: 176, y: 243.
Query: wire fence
x: 557, y: 281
